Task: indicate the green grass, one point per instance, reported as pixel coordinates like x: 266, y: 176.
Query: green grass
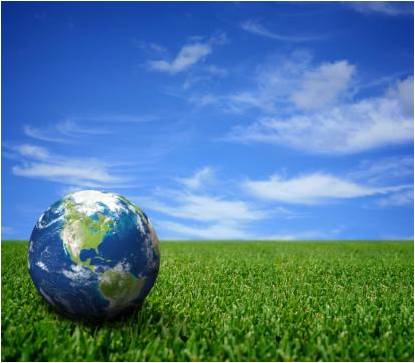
x: 350, y: 301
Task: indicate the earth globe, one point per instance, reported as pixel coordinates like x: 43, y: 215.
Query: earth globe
x: 93, y: 255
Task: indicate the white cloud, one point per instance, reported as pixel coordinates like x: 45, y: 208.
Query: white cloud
x: 240, y: 101
x: 199, y: 178
x: 149, y: 47
x: 73, y: 129
x: 189, y: 213
x: 192, y: 80
x: 41, y: 265
x: 403, y: 92
x: 207, y: 215
x: 215, y: 70
x: 315, y: 108
x: 312, y: 189
x: 189, y: 54
x: 402, y: 198
x: 309, y: 234
x: 346, y: 128
x: 256, y: 28
x: 223, y: 231
x: 78, y: 273
x: 157, y: 47
x: 118, y: 119
x: 274, y: 84
x: 66, y: 131
x: 294, y: 81
x: 70, y: 173
x: 204, y: 100
x: 323, y: 85
x: 391, y: 8
x: 204, y: 208
x: 212, y: 232
x: 204, y: 75
x: 64, y: 190
x: 33, y: 151
x: 394, y: 169
x: 38, y: 162
x: 384, y: 170
x: 41, y: 135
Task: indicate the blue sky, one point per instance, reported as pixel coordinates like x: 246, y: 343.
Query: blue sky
x: 221, y: 120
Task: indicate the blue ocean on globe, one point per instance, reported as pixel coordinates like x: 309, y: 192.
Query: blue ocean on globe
x: 93, y: 255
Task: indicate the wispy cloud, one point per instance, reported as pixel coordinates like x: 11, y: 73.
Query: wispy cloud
x: 75, y: 128
x: 317, y: 107
x: 257, y: 28
x: 42, y: 135
x: 203, y: 100
x: 63, y: 132
x: 324, y: 85
x: 384, y: 170
x: 189, y: 54
x: 401, y: 198
x: 215, y: 70
x: 72, y: 129
x: 115, y: 119
x: 345, y: 128
x: 196, y: 209
x: 390, y: 8
x: 199, y: 178
x: 307, y: 234
x: 150, y: 47
x: 294, y: 82
x: 203, y: 75
x: 203, y: 207
x: 273, y: 85
x: 313, y: 188
x: 82, y: 129
x: 221, y: 230
x: 226, y: 231
x: 37, y: 162
x: 388, y: 170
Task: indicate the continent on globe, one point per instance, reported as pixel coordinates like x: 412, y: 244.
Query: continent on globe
x: 93, y: 255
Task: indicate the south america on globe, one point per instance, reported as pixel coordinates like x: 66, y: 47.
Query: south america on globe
x: 93, y: 255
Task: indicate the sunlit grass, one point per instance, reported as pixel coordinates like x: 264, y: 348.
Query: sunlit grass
x: 234, y: 301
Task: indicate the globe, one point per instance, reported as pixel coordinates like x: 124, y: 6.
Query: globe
x: 93, y: 255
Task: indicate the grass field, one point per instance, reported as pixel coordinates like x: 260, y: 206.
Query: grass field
x: 234, y: 301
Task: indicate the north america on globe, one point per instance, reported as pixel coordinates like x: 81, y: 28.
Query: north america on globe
x: 93, y: 255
